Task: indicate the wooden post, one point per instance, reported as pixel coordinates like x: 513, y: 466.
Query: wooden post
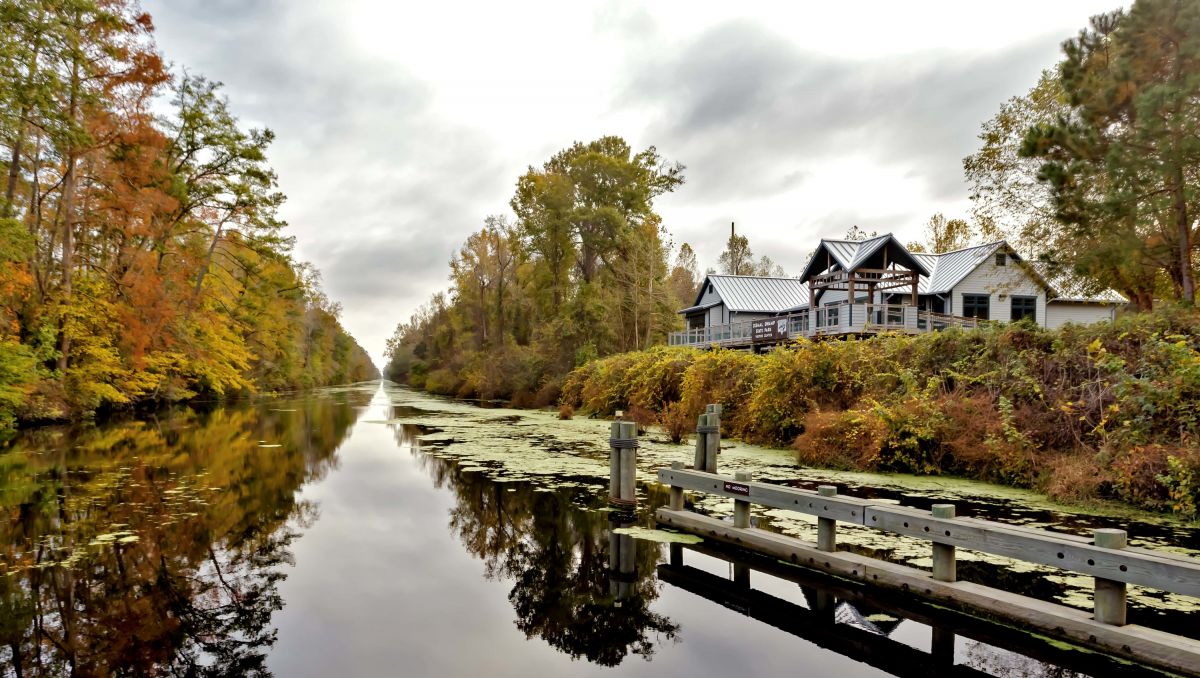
x: 701, y: 445
x: 944, y: 568
x: 629, y: 463
x: 614, y: 462
x: 826, y: 527
x: 712, y: 443
x: 676, y: 491
x: 741, y: 507
x: 1109, y: 598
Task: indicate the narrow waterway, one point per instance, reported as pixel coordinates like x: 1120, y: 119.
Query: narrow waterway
x: 374, y: 531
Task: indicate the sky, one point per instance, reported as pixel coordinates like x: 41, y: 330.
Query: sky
x: 400, y: 126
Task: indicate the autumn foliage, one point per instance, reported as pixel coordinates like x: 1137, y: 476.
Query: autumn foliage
x: 1084, y: 412
x: 142, y: 257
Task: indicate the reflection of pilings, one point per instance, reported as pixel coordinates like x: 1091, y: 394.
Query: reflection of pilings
x: 871, y: 648
x: 622, y: 562
x: 823, y: 594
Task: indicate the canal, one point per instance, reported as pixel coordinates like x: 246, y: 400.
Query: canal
x: 371, y: 530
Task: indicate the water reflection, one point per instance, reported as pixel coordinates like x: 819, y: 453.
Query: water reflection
x: 156, y: 546
x: 576, y: 585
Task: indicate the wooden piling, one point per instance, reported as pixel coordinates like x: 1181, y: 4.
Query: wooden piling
x: 1109, y: 598
x: 676, y: 492
x: 622, y: 459
x: 741, y: 507
x: 826, y: 527
x: 614, y: 462
x: 712, y: 442
x: 701, y: 444
x: 944, y: 567
x: 629, y: 463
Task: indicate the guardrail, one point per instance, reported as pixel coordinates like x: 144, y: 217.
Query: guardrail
x: 1105, y: 556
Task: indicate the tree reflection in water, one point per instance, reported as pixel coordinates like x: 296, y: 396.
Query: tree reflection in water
x: 557, y: 555
x: 155, y: 547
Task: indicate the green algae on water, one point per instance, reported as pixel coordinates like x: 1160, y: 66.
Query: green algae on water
x: 660, y: 536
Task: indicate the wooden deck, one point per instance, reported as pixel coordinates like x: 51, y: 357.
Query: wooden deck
x: 825, y: 321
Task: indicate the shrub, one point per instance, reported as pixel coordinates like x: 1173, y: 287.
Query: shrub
x: 845, y: 440
x: 640, y: 416
x: 676, y: 421
x: 565, y: 411
x: 1073, y: 478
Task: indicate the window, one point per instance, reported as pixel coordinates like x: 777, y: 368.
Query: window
x: 1001, y: 259
x: 1024, y: 307
x: 975, y: 306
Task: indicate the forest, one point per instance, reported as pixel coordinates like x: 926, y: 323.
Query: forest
x: 142, y: 255
x: 1094, y: 172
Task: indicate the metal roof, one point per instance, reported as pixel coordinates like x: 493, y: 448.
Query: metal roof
x: 852, y: 254
x: 949, y: 268
x: 747, y: 293
x: 942, y: 272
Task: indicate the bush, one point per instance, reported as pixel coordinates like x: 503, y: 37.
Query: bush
x: 565, y: 412
x: 676, y: 421
x: 1011, y: 403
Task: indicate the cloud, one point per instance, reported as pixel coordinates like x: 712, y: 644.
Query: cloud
x: 755, y: 114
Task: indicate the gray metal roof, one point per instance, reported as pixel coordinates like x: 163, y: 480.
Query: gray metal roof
x: 747, y: 293
x: 949, y: 268
x: 852, y: 254
x: 754, y: 294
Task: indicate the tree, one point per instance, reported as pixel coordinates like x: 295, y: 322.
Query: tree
x: 1123, y: 165
x: 685, y: 277
x: 946, y: 235
x: 1004, y: 184
x: 737, y: 259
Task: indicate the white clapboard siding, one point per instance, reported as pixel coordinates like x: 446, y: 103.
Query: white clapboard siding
x: 997, y: 281
x: 1059, y: 313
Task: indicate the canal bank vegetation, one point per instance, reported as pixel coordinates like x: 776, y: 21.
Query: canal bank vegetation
x: 1092, y: 174
x: 1082, y: 413
x: 142, y: 256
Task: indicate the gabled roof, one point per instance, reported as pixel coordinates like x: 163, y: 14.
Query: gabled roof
x: 850, y: 255
x: 753, y: 294
x: 949, y: 268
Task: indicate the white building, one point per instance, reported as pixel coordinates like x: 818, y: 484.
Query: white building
x: 892, y: 290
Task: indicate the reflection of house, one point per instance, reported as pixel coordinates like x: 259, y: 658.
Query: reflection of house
x: 861, y: 287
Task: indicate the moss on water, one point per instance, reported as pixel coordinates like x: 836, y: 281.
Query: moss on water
x: 535, y: 446
x: 660, y: 536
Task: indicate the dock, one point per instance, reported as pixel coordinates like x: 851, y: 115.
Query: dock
x: 1105, y: 556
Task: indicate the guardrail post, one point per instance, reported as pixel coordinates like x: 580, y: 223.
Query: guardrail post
x: 1109, y: 598
x: 741, y: 507
x: 676, y: 491
x: 944, y: 568
x: 713, y: 441
x: 826, y: 527
x: 622, y: 474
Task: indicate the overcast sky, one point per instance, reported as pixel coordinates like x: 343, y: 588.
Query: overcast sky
x: 400, y: 126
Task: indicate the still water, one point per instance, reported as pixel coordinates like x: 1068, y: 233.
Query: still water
x: 373, y: 531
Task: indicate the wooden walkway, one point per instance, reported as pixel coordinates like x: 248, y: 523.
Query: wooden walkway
x: 826, y: 321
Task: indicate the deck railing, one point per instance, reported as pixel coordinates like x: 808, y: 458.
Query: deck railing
x: 841, y: 318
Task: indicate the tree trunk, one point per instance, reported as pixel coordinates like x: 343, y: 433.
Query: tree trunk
x: 68, y: 244
x: 1184, y: 226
